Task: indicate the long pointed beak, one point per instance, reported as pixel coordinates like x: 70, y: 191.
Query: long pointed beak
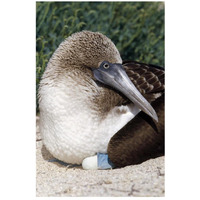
x: 115, y: 76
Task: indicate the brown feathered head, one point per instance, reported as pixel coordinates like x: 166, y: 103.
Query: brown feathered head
x: 87, y: 48
x: 97, y: 52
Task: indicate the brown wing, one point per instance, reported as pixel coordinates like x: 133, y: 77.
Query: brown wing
x: 138, y: 140
x: 149, y: 79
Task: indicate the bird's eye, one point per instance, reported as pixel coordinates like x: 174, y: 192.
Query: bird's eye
x: 106, y: 66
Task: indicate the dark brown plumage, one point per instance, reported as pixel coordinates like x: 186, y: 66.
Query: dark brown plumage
x: 142, y: 138
x: 149, y: 79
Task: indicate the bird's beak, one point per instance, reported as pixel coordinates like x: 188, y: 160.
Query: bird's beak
x: 116, y: 77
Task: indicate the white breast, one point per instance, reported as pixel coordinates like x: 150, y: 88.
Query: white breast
x: 71, y: 130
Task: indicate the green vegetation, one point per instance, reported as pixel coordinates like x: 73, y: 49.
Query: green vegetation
x: 136, y: 28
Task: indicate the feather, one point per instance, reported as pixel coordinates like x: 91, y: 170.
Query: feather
x: 142, y: 138
x: 148, y: 79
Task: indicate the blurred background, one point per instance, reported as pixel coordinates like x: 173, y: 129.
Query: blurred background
x: 136, y: 28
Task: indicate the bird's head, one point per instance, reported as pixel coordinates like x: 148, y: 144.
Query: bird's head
x: 97, y: 52
x: 88, y: 49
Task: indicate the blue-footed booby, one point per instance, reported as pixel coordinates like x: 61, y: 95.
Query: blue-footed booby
x: 90, y: 102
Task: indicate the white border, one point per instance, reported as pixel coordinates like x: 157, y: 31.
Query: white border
x: 18, y: 99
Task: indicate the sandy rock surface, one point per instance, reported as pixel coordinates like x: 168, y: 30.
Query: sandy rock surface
x: 54, y: 179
